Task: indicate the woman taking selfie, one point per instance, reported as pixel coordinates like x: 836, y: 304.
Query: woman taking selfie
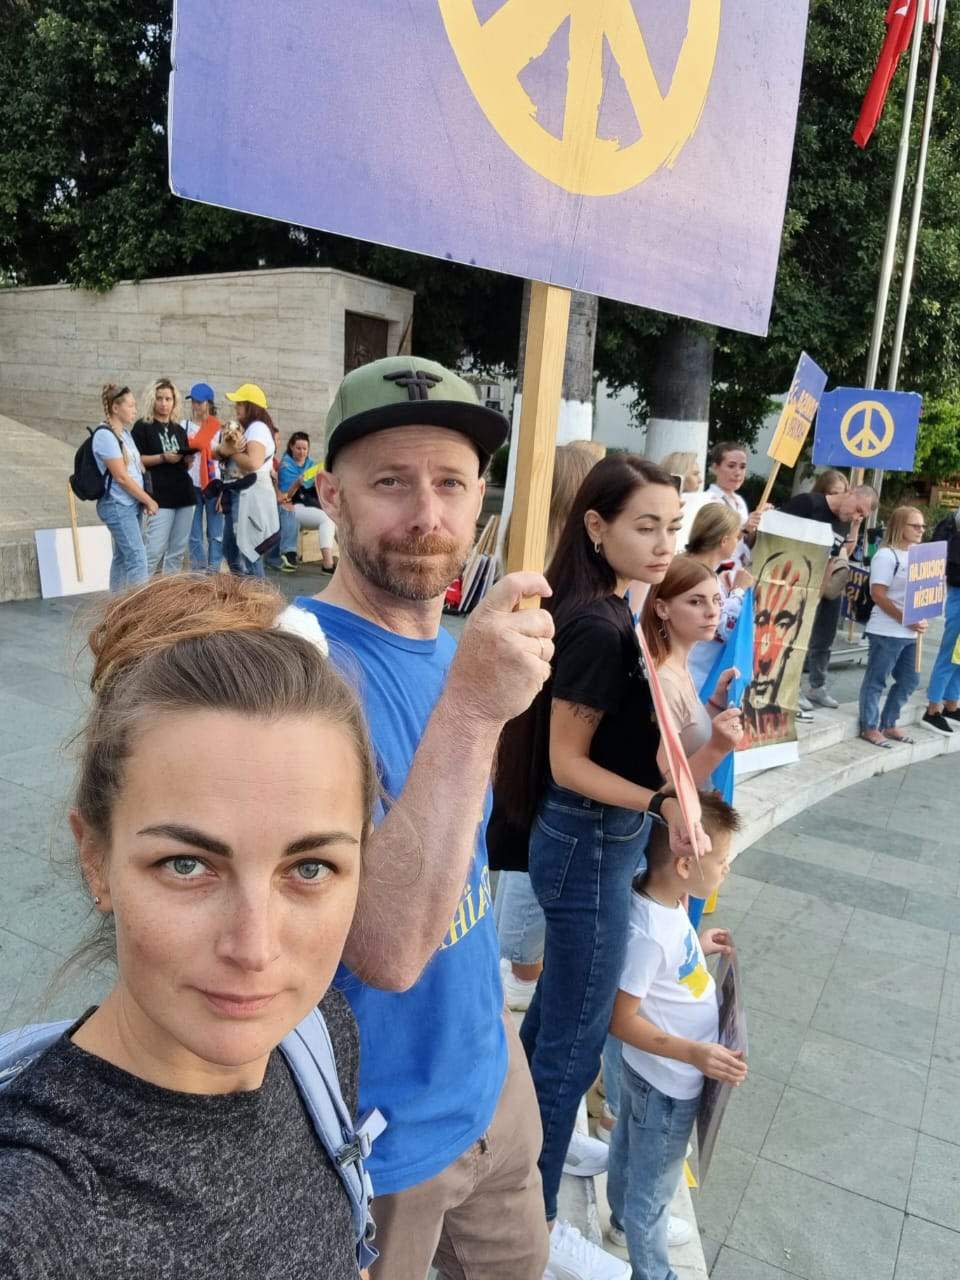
x: 163, y: 1134
x: 583, y: 765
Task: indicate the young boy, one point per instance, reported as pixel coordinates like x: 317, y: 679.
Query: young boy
x: 666, y: 1015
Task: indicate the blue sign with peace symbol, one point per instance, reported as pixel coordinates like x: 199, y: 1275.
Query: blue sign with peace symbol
x: 860, y: 427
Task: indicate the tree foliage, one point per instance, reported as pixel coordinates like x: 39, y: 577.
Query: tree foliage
x: 833, y: 240
x: 84, y: 194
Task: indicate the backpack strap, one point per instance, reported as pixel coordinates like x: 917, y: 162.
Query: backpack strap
x: 107, y: 473
x: 23, y: 1045
x: 308, y: 1051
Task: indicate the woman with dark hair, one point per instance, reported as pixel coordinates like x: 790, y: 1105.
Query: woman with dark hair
x: 581, y: 766
x: 251, y: 521
x: 300, y: 506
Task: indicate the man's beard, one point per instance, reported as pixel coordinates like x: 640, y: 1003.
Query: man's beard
x: 414, y: 568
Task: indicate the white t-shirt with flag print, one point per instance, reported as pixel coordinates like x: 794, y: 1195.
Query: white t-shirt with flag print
x: 666, y: 969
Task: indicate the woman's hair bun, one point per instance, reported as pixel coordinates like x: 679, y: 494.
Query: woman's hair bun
x: 176, y: 607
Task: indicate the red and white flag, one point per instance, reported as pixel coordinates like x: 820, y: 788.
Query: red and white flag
x: 901, y: 15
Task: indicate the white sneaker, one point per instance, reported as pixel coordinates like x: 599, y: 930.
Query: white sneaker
x: 586, y: 1156
x: 803, y: 702
x: 518, y: 993
x: 572, y: 1257
x: 820, y: 698
x: 679, y: 1232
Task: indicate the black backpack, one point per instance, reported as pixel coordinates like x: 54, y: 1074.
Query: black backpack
x: 87, y: 481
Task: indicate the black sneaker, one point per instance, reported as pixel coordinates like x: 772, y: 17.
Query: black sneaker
x: 952, y: 715
x: 937, y: 721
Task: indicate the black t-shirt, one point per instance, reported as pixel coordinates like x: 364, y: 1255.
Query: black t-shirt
x: 103, y: 1175
x: 170, y: 482
x: 598, y: 665
x: 814, y: 506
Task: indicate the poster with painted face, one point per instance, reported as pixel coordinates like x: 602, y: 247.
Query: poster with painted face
x: 789, y: 559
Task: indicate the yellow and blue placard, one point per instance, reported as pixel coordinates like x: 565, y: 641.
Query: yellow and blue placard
x: 857, y: 427
x: 798, y: 413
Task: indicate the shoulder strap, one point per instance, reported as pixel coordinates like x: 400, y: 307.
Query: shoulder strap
x: 23, y: 1045
x: 107, y: 473
x: 308, y: 1051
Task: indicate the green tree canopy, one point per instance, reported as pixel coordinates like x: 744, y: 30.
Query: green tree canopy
x: 84, y: 194
x: 833, y: 238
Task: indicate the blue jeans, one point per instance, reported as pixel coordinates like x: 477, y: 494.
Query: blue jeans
x: 944, y: 683
x: 237, y: 562
x: 165, y: 537
x: 210, y: 555
x: 519, y: 919
x: 889, y: 656
x: 647, y: 1150
x: 583, y: 858
x: 129, y: 563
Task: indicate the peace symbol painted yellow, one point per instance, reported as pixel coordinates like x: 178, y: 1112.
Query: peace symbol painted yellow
x: 862, y: 438
x: 492, y: 55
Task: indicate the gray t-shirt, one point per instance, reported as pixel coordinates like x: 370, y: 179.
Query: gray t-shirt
x: 103, y: 1175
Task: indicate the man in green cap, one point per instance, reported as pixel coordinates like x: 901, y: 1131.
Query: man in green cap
x: 455, y: 1173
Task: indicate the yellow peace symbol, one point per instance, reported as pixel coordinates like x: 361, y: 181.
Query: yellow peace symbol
x: 492, y: 54
x: 865, y: 440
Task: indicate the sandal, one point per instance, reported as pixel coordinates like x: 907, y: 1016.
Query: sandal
x: 899, y: 737
x: 882, y: 743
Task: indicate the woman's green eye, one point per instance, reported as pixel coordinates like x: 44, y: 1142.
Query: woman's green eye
x: 310, y: 870
x: 185, y: 866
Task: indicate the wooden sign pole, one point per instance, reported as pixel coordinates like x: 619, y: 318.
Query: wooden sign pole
x: 539, y: 413
x: 918, y: 652
x: 72, y: 502
x: 768, y: 487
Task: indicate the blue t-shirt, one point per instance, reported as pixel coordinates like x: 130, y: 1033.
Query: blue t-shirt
x: 434, y: 1058
x: 106, y: 445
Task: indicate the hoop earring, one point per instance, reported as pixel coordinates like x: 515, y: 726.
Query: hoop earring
x: 596, y: 546
x: 662, y: 630
x: 96, y: 902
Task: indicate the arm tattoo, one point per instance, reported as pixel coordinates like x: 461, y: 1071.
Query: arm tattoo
x: 589, y: 714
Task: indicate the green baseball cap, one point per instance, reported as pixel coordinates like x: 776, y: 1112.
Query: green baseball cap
x: 404, y: 391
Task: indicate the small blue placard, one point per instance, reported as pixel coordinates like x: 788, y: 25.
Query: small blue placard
x: 863, y: 428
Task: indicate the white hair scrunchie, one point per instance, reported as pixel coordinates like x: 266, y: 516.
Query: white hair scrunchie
x: 305, y: 625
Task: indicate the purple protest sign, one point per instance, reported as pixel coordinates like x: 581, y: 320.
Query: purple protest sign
x: 926, y: 582
x: 630, y: 149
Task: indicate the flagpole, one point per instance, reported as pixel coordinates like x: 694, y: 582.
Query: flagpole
x: 910, y: 256
x: 893, y: 215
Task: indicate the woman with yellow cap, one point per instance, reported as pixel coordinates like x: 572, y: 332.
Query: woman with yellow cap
x: 252, y: 523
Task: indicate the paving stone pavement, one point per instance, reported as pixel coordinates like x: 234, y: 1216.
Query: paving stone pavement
x: 839, y: 1158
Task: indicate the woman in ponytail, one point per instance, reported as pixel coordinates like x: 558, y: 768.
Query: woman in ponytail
x: 118, y: 460
x: 163, y: 1133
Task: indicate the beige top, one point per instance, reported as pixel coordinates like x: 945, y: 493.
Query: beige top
x: 692, y: 718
